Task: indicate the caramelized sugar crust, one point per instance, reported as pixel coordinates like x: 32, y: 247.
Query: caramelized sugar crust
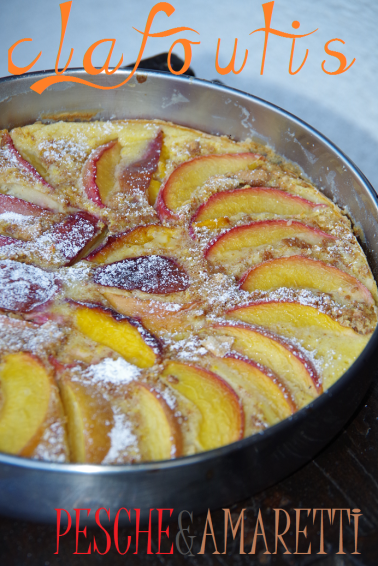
x: 165, y: 291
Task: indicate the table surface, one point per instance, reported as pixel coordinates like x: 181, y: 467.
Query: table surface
x: 343, y: 475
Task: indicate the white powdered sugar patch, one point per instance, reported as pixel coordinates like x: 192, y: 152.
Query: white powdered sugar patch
x: 169, y: 398
x: 189, y: 349
x: 16, y: 335
x: 16, y: 218
x: 80, y: 233
x: 59, y: 149
x: 310, y: 355
x: 218, y: 345
x: 51, y: 447
x: 24, y: 287
x: 109, y: 371
x: 305, y: 297
x: 121, y: 438
x: 79, y: 272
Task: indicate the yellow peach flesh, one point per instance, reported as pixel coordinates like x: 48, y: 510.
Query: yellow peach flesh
x: 261, y: 395
x: 159, y: 435
x: 25, y: 390
x: 125, y: 246
x: 235, y: 244
x: 119, y: 335
x: 106, y: 170
x: 89, y: 422
x: 298, y: 272
x: 293, y: 371
x: 253, y: 201
x: 155, y: 316
x: 222, y: 418
x: 184, y: 180
x: 335, y: 346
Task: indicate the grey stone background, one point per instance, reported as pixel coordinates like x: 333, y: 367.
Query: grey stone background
x: 343, y: 107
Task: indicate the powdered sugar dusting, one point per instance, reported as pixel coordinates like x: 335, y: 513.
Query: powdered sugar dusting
x: 169, y: 398
x: 51, y: 447
x: 16, y: 335
x: 17, y: 218
x: 150, y: 274
x: 121, y: 438
x: 24, y: 287
x: 109, y: 371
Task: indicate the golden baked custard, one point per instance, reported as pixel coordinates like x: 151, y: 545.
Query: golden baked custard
x: 164, y: 291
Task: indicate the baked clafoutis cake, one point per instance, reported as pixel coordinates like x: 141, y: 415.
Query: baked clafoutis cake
x: 164, y: 291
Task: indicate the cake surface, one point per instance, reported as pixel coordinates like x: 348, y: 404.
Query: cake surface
x: 165, y: 291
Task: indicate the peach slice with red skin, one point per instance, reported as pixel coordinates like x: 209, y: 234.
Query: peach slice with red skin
x: 222, y: 416
x: 181, y: 184
x: 92, y: 186
x: 137, y: 176
x: 298, y: 272
x: 74, y: 236
x: 149, y: 274
x: 156, y: 316
x: 265, y: 232
x: 124, y: 335
x: 25, y: 391
x: 8, y: 203
x: 335, y: 346
x: 284, y: 359
x: 252, y: 201
x: 21, y: 180
x: 262, y: 393
x: 99, y: 172
x: 120, y: 246
x: 24, y: 287
x: 159, y: 434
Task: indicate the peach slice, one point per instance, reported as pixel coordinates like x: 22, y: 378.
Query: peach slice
x: 137, y: 176
x: 222, y: 416
x: 263, y: 396
x: 149, y: 274
x: 252, y: 201
x: 298, y: 272
x: 159, y: 434
x: 123, y: 334
x: 284, y: 359
x: 156, y: 316
x: 121, y: 246
x: 335, y: 346
x: 106, y: 170
x: 74, y: 236
x: 99, y: 172
x: 25, y: 390
x: 89, y: 421
x: 237, y: 241
x: 21, y: 180
x: 181, y: 184
x: 24, y: 287
x: 22, y: 207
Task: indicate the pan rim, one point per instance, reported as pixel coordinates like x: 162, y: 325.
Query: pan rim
x: 255, y: 439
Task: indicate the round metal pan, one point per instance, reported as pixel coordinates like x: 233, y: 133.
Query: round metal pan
x: 32, y: 489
